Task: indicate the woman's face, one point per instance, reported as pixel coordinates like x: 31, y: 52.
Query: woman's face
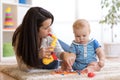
x: 45, y: 29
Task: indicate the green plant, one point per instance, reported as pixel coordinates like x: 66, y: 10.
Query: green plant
x: 112, y: 16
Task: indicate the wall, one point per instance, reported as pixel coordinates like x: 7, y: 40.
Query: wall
x: 67, y: 11
x: 64, y: 14
x: 0, y: 30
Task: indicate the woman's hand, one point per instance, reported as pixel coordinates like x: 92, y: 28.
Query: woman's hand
x: 68, y: 59
x: 45, y: 52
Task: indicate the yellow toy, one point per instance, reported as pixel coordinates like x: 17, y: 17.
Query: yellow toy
x: 52, y: 57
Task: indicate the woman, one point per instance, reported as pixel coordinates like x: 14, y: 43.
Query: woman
x: 29, y: 36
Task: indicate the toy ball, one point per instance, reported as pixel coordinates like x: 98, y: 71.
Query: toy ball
x: 91, y: 74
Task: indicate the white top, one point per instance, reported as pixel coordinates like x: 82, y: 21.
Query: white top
x: 47, y: 41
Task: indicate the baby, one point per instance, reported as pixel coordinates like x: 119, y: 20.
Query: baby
x: 86, y: 49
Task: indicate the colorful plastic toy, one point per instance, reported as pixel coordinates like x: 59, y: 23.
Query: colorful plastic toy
x: 91, y: 74
x: 65, y: 73
x: 8, y: 23
x: 52, y: 57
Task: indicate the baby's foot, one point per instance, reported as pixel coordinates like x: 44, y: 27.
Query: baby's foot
x: 84, y: 71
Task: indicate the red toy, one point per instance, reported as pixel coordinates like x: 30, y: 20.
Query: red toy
x: 91, y: 74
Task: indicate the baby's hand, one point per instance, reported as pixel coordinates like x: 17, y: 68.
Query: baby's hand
x: 64, y: 67
x: 101, y: 63
x: 69, y: 59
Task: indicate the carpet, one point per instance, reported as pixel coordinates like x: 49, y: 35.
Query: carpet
x: 111, y: 71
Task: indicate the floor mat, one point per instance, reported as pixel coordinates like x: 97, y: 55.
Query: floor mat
x: 111, y: 71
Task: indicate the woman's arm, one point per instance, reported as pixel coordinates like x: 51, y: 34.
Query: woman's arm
x: 21, y: 64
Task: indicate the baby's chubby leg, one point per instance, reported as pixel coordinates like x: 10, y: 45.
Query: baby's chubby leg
x: 92, y: 67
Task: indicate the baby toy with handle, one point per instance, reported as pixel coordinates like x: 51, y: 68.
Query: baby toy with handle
x: 47, y: 61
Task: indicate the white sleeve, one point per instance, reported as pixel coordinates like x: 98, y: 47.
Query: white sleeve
x: 58, y: 49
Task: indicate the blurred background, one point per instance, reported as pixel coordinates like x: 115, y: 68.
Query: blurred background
x: 65, y: 13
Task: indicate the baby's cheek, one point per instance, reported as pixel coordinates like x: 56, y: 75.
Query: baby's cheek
x: 77, y: 40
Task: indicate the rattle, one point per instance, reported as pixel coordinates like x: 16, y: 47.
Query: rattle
x: 52, y: 57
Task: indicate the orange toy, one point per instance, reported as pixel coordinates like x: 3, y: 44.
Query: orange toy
x: 65, y: 72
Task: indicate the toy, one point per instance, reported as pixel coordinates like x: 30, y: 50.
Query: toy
x: 91, y: 74
x: 52, y: 57
x: 8, y: 23
x: 65, y: 72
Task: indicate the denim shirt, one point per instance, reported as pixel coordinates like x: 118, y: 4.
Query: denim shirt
x: 85, y: 53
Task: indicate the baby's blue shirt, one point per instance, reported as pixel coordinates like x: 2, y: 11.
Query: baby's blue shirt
x: 85, y: 53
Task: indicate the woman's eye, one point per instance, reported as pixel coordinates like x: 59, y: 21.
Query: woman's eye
x: 46, y: 28
x: 84, y: 35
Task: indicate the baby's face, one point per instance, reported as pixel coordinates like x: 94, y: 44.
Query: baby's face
x: 82, y: 35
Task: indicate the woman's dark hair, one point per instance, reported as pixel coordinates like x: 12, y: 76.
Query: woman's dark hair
x: 26, y: 39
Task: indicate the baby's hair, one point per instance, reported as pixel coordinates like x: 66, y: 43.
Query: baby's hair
x: 81, y: 23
